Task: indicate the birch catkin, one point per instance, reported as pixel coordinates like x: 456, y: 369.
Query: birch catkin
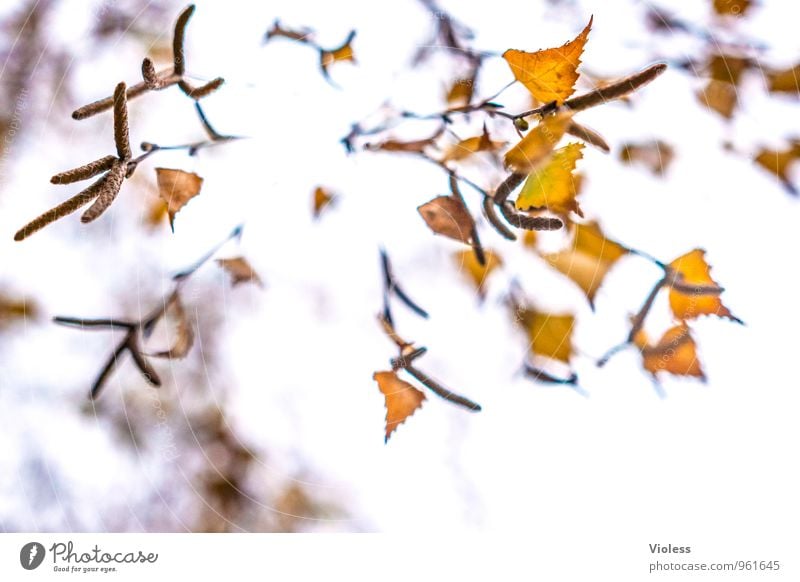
x: 90, y: 170
x: 108, y: 192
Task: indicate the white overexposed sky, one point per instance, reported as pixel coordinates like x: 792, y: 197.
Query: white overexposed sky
x: 716, y: 458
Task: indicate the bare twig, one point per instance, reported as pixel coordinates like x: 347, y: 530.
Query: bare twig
x: 636, y: 323
x: 543, y: 376
x: 142, y: 328
x: 391, y: 286
x: 477, y: 248
x: 441, y: 391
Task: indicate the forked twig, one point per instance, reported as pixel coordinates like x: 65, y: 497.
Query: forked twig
x: 138, y: 330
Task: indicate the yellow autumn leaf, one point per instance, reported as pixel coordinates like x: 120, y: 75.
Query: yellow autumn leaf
x: 550, y: 335
x: 476, y: 272
x: 538, y: 143
x: 549, y: 74
x: 675, y: 352
x: 694, y: 271
x: 589, y: 258
x: 553, y: 187
x: 460, y: 92
x: 530, y: 239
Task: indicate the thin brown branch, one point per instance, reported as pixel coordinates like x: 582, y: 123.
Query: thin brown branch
x: 391, y: 286
x: 405, y: 360
x: 441, y: 391
x: 543, y: 376
x: 202, y: 91
x: 108, y: 368
x: 388, y: 329
x: 141, y: 362
x: 638, y: 319
x: 93, y: 323
x: 636, y: 323
x: 477, y: 248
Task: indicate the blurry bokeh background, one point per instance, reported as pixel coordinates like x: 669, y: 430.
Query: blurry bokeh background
x: 273, y: 421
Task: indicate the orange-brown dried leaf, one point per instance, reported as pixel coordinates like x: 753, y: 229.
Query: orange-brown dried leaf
x: 156, y: 213
x: 446, y: 215
x: 402, y: 399
x: 655, y: 155
x: 12, y: 309
x: 183, y: 336
x: 460, y: 92
x: 779, y: 163
x: 278, y: 30
x: 695, y: 271
x: 720, y: 97
x: 472, y: 145
x: 785, y: 81
x: 323, y: 198
x: 675, y: 352
x: 549, y: 74
x: 589, y: 258
x: 415, y: 146
x: 731, y: 7
x: 728, y: 68
x: 338, y: 55
x: 538, y: 143
x: 240, y: 270
x: 549, y: 335
x: 477, y: 273
x: 177, y: 188
x: 554, y: 187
